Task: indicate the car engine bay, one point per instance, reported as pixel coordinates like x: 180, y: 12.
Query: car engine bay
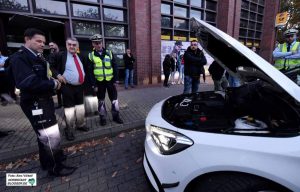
x: 255, y: 108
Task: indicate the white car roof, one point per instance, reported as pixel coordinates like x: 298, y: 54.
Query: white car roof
x: 275, y: 75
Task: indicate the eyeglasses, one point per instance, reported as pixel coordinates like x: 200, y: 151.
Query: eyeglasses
x: 194, y: 44
x: 70, y: 44
x: 289, y: 36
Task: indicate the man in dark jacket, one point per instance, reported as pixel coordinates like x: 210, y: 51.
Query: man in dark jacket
x: 33, y: 77
x: 129, y: 71
x: 218, y: 76
x: 70, y: 70
x: 194, y: 59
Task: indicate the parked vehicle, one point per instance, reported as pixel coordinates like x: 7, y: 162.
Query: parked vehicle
x: 243, y: 139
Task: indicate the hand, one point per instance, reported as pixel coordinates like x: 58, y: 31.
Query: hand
x: 58, y: 84
x: 61, y: 79
x: 95, y: 89
x: 294, y: 52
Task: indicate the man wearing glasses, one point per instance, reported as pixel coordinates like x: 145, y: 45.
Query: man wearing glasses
x: 104, y: 71
x: 194, y: 60
x: 287, y: 55
x: 69, y: 69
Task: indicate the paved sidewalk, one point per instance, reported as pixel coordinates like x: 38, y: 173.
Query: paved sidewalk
x: 134, y: 106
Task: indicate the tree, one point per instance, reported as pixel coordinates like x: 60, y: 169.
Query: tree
x: 293, y: 8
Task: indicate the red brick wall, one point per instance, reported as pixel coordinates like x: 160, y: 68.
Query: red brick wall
x: 268, y: 32
x: 228, y: 16
x: 145, y: 41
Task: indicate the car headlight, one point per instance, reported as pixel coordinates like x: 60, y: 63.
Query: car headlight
x: 168, y: 142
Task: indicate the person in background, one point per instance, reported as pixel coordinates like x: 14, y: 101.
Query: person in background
x: 218, y: 76
x: 194, y: 60
x: 173, y: 68
x: 32, y: 76
x: 129, y: 71
x: 287, y: 55
x: 4, y: 87
x: 53, y: 51
x: 254, y: 49
x: 203, y: 74
x: 70, y: 70
x: 181, y: 70
x: 104, y: 71
x: 167, y: 69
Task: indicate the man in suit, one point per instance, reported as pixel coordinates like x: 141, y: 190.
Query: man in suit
x: 69, y: 69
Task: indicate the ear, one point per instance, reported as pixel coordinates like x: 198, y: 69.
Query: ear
x: 26, y: 39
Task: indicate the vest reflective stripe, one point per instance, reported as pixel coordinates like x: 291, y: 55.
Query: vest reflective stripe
x: 101, y: 71
x: 289, y: 63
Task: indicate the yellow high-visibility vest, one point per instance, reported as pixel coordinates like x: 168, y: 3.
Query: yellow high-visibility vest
x: 289, y: 63
x: 103, y: 70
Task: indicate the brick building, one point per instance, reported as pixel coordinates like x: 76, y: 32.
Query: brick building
x: 137, y: 24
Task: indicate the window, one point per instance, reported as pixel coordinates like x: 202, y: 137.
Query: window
x: 196, y: 14
x: 180, y: 11
x: 258, y: 26
x: 50, y: 7
x: 251, y: 25
x: 118, y: 48
x: 85, y: 11
x: 166, y: 22
x: 250, y: 33
x: 120, y: 3
x: 86, y: 28
x: 180, y: 35
x: 257, y: 35
x: 211, y: 5
x: 181, y: 1
x: 15, y: 5
x: 197, y: 3
x: 252, y: 16
x: 114, y: 15
x: 243, y: 32
x: 165, y: 9
x: 253, y: 7
x: 210, y: 16
x: 261, y: 2
x: 244, y: 23
x: 94, y: 1
x: 166, y: 34
x: 180, y: 24
x: 260, y: 9
x: 115, y: 30
x: 259, y: 18
x: 244, y: 14
x: 245, y: 4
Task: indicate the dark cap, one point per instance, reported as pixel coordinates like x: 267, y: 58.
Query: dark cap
x: 178, y: 43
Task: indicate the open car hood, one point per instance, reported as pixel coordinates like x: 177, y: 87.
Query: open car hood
x: 239, y: 60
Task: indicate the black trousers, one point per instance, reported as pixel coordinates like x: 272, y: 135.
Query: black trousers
x: 167, y: 74
x: 41, y: 114
x: 111, y: 90
x: 72, y: 95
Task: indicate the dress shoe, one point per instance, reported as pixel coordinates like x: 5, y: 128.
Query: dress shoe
x: 69, y: 135
x: 102, y: 120
x: 83, y: 128
x: 117, y: 119
x: 61, y: 171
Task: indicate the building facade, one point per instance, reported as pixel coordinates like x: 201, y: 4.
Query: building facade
x: 137, y: 24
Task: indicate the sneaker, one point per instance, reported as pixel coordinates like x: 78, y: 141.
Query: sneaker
x: 62, y: 171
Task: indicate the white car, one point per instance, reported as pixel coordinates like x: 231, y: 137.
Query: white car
x: 244, y: 139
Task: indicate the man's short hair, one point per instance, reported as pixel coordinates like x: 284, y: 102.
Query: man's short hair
x: 30, y: 32
x: 194, y: 41
x: 72, y: 39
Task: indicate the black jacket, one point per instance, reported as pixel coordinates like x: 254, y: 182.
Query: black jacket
x: 30, y: 75
x: 128, y: 61
x: 193, y: 62
x: 216, y: 71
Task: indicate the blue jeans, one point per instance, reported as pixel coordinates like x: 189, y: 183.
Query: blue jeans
x: 181, y: 72
x: 128, y: 74
x: 233, y: 81
x: 191, y: 84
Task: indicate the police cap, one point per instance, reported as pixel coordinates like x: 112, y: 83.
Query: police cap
x: 290, y: 32
x: 96, y: 37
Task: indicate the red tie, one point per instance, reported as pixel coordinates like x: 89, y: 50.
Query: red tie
x: 78, y: 69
